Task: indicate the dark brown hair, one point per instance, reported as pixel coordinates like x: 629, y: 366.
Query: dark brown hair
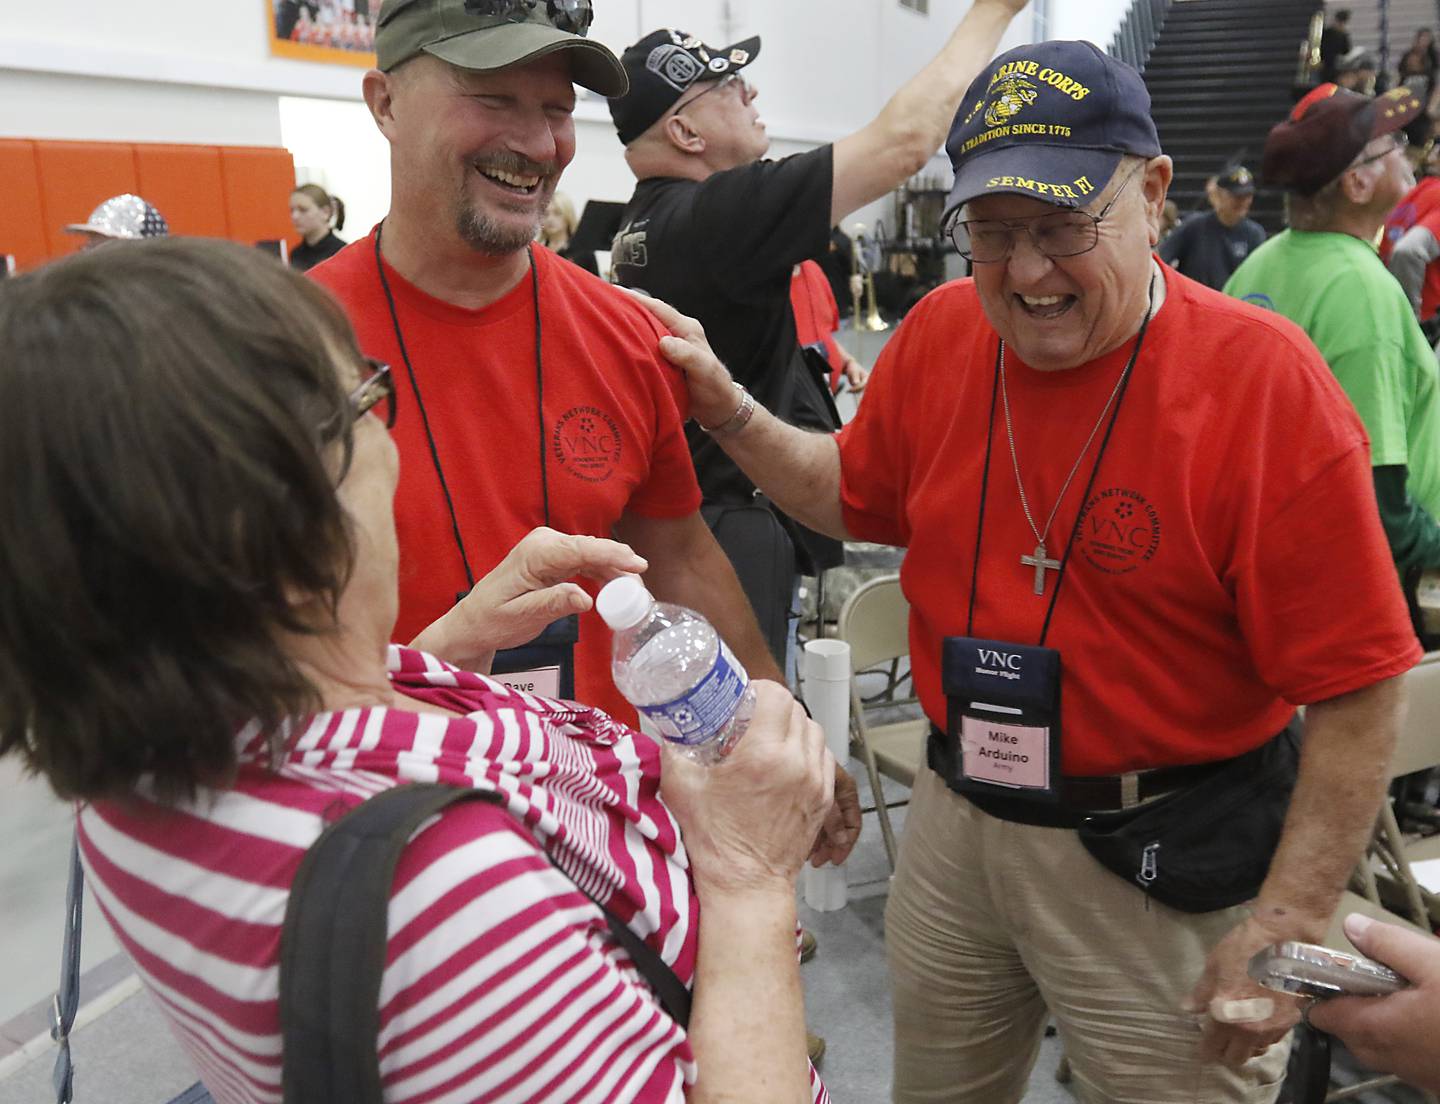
x: 171, y: 420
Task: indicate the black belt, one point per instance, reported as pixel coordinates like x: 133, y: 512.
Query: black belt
x: 1079, y: 796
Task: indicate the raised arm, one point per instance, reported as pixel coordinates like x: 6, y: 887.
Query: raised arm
x: 914, y: 124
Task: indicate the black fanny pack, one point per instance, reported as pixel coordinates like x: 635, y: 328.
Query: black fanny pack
x: 1207, y: 846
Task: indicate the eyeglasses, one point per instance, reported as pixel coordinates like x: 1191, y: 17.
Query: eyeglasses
x: 378, y: 386
x: 1399, y: 141
x: 571, y: 16
x: 1060, y: 234
x: 734, y: 80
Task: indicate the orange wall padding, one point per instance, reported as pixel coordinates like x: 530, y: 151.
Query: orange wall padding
x: 70, y: 173
x: 22, y: 228
x: 186, y: 184
x: 236, y: 192
x: 258, y: 183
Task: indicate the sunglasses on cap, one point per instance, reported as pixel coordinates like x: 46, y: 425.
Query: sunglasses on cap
x: 571, y: 16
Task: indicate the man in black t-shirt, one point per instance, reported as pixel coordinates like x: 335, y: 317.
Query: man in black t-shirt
x: 1210, y: 247
x: 715, y: 230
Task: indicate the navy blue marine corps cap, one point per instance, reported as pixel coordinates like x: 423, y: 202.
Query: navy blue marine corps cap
x: 662, y: 67
x: 1051, y: 121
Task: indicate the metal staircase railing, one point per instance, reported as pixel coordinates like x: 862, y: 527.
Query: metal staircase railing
x: 1136, y: 37
x: 1384, y: 36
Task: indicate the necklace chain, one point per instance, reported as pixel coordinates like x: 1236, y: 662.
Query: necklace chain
x: 1041, y: 534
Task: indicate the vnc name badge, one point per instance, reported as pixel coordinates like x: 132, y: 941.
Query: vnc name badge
x: 1004, y: 717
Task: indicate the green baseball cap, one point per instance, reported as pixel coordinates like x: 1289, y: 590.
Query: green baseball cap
x: 489, y: 35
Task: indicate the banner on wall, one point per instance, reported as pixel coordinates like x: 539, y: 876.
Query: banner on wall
x: 332, y: 31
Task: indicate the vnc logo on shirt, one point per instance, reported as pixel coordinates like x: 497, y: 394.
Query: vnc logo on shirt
x: 587, y: 444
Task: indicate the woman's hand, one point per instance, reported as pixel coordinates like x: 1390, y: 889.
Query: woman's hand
x: 526, y: 591
x: 750, y: 821
x: 1395, y: 1034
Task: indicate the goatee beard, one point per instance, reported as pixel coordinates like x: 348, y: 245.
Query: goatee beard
x: 484, y: 235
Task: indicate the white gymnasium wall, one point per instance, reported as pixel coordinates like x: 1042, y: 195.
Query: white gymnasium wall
x: 147, y: 70
x: 1095, y: 20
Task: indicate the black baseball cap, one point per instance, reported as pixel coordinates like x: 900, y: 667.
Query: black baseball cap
x: 489, y: 35
x: 661, y: 67
x: 1237, y: 180
x: 1326, y: 131
x: 1051, y: 121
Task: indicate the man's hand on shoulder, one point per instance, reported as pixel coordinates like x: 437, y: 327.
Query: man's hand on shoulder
x: 713, y: 398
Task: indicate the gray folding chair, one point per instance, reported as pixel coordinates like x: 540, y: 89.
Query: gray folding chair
x: 875, y: 622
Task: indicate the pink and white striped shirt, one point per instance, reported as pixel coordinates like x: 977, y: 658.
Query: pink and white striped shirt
x: 502, y: 982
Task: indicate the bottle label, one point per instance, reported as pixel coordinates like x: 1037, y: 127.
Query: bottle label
x: 695, y: 717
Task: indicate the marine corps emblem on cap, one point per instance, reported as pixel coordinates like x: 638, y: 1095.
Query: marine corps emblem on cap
x: 1051, y: 121
x: 1011, y: 96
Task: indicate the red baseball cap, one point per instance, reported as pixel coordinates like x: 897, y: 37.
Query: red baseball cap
x: 1326, y: 132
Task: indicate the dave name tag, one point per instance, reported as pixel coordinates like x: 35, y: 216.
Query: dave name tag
x: 1004, y: 717
x: 542, y: 681
x: 543, y: 666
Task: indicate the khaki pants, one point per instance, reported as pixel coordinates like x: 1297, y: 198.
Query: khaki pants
x: 992, y: 925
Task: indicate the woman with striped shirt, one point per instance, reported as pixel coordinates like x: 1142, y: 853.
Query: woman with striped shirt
x: 194, y: 644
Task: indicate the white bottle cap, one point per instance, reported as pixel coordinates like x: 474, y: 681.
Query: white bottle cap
x: 623, y: 602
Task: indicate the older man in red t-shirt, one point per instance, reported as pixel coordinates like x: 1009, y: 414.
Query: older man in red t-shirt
x: 1096, y: 469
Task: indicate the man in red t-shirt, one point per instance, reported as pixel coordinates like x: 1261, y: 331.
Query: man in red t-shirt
x: 534, y: 396
x: 817, y: 318
x: 1096, y: 469
x: 1410, y: 246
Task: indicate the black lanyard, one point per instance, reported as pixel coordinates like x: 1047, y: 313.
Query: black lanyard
x: 1125, y: 378
x: 425, y: 417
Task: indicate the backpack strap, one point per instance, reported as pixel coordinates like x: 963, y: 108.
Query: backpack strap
x: 332, y: 950
x: 66, y: 1004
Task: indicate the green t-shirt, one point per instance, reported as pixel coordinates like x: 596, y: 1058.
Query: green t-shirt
x: 1338, y: 291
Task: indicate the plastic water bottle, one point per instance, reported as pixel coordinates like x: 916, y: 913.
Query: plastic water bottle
x: 672, y: 666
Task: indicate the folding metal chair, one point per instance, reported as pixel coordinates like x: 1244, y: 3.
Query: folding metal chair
x: 875, y: 622
x: 1384, y: 886
x: 1394, y: 856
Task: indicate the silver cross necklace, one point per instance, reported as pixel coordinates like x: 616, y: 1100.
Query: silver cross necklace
x: 1040, y: 561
